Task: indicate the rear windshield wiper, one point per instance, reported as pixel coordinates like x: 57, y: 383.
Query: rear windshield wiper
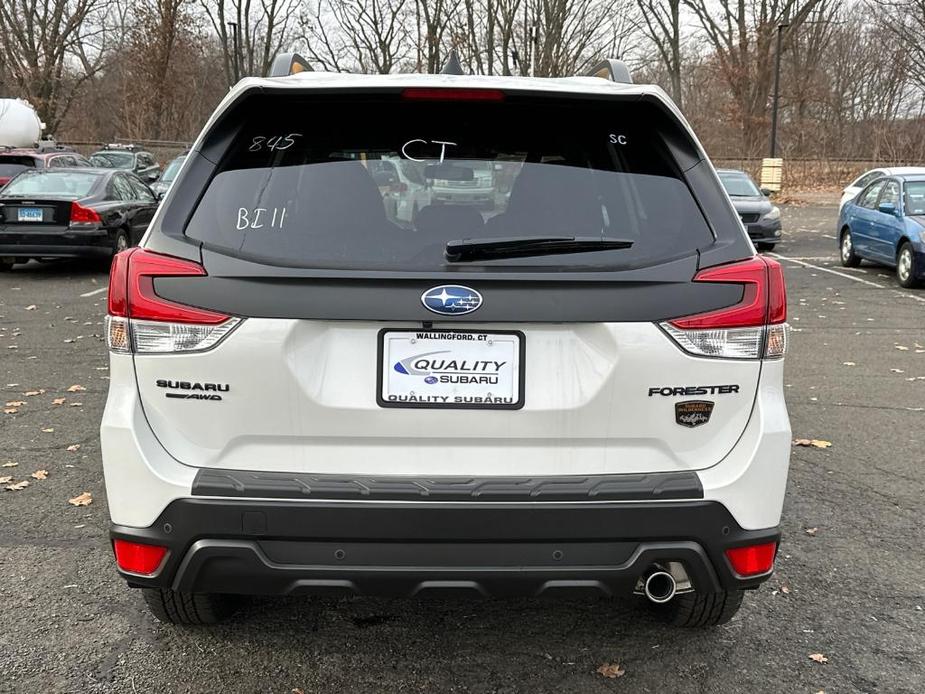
x: 527, y: 246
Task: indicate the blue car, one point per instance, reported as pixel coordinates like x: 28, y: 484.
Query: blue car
x: 885, y: 224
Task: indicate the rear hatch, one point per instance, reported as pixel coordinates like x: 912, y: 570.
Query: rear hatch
x: 524, y: 339
x: 42, y: 202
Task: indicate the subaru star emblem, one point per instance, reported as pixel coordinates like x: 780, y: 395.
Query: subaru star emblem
x: 451, y: 299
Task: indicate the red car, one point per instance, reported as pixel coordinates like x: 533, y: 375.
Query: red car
x: 12, y: 161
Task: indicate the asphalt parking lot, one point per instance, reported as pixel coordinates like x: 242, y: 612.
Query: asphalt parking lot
x: 849, y: 584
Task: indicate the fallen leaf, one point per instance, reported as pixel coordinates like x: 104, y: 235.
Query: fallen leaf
x: 811, y: 531
x: 16, y: 403
x: 902, y: 349
x: 32, y: 393
x: 58, y: 401
x: 73, y: 448
x: 31, y: 307
x: 815, y: 443
x: 18, y: 486
x: 849, y: 363
x: 818, y: 657
x: 84, y: 499
x: 76, y: 404
x: 296, y: 690
x: 785, y: 590
x: 9, y: 465
x: 76, y: 389
x: 5, y: 480
x: 897, y: 371
x: 49, y: 430
x: 10, y: 410
x: 611, y: 670
x: 40, y: 474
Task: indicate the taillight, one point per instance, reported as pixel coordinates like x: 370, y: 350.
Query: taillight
x: 141, y: 321
x: 752, y: 560
x: 451, y: 94
x: 137, y: 558
x: 84, y: 216
x: 753, y: 328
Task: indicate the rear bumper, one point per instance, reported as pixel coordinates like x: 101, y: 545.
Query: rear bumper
x: 56, y: 244
x: 401, y: 549
x: 764, y: 231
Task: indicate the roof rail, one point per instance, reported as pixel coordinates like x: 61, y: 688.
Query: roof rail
x: 613, y: 70
x: 286, y: 64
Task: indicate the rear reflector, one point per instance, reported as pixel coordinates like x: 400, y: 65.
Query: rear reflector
x: 137, y: 558
x: 450, y: 94
x: 751, y: 329
x: 753, y: 560
x: 141, y: 321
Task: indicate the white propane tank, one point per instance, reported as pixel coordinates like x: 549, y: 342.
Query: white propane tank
x: 20, y: 125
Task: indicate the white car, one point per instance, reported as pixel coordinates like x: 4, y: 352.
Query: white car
x: 579, y: 391
x: 869, y: 177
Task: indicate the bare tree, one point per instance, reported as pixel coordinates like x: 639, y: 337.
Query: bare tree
x: 48, y: 49
x: 263, y: 28
x: 905, y: 21
x: 742, y: 36
x: 660, y: 20
x: 365, y: 35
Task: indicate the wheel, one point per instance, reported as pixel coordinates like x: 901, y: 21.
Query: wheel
x: 847, y: 254
x: 121, y: 242
x: 698, y: 610
x: 5, y: 266
x: 905, y: 266
x: 764, y: 246
x: 174, y: 607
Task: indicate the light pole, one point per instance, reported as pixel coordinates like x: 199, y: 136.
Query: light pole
x: 780, y: 34
x: 234, y: 35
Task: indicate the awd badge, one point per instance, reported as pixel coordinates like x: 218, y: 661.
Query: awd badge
x: 693, y: 413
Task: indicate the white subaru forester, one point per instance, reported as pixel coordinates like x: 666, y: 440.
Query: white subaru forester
x: 576, y: 388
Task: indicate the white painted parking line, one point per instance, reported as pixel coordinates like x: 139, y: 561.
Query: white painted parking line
x: 95, y: 292
x: 847, y: 276
x: 817, y: 258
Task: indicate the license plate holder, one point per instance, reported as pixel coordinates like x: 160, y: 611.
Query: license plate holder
x: 451, y: 369
x: 30, y: 214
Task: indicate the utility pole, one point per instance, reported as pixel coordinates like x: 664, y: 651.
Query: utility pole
x: 234, y: 34
x: 780, y: 35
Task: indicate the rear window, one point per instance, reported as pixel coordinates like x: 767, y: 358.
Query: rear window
x: 386, y: 183
x: 113, y: 160
x: 10, y: 166
x: 67, y: 184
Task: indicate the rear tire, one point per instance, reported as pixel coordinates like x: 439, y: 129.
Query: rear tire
x: 699, y: 610
x: 763, y: 246
x: 174, y: 607
x: 846, y: 250
x: 121, y: 242
x: 905, y: 267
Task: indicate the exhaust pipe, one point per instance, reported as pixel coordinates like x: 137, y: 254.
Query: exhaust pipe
x: 660, y: 587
